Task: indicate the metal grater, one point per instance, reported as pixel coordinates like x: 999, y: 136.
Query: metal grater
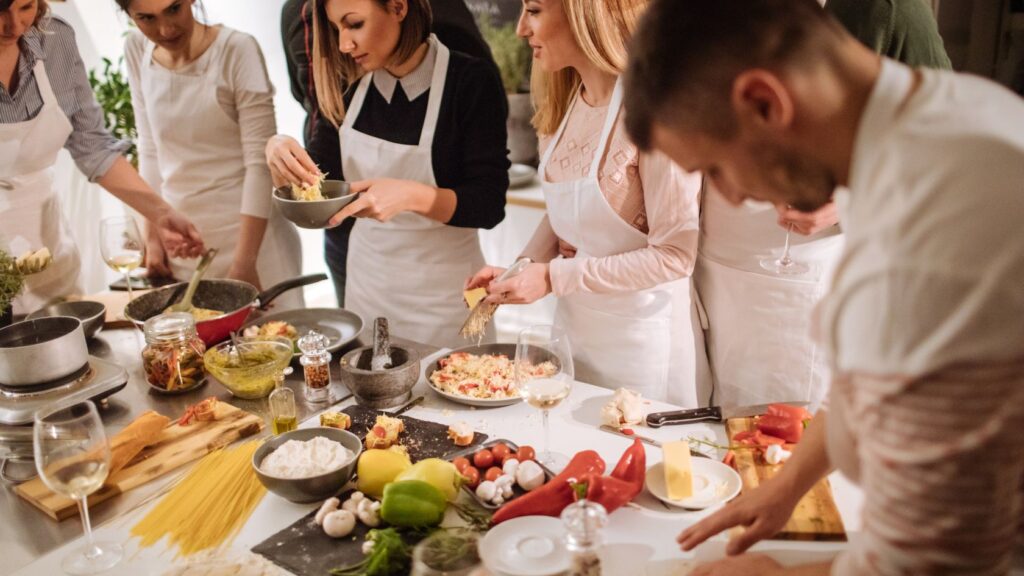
x: 482, y: 313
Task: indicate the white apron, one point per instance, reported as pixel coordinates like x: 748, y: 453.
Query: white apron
x: 29, y: 206
x: 759, y: 324
x: 643, y: 340
x: 410, y: 269
x: 202, y: 168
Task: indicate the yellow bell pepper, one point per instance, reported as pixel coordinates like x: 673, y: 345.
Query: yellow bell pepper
x: 377, y: 468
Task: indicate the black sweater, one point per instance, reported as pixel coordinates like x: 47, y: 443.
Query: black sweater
x: 469, y: 149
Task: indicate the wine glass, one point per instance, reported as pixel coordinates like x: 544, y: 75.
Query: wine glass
x: 785, y: 265
x: 122, y: 246
x: 447, y: 552
x: 73, y: 458
x: 544, y: 376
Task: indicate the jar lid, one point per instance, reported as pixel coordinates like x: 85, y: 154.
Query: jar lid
x: 313, y: 343
x: 170, y: 327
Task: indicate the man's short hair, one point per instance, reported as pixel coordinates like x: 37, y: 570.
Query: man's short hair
x: 686, y: 54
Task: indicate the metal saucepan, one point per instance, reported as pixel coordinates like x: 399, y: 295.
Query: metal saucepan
x: 41, y: 350
x: 235, y: 298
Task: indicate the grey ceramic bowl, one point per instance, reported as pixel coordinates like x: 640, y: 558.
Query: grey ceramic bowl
x: 380, y: 388
x: 92, y: 314
x: 314, y: 488
x: 314, y: 213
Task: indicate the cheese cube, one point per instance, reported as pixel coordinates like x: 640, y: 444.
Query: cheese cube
x: 474, y: 296
x: 678, y: 472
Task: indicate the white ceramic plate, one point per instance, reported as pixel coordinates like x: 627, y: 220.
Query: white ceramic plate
x: 713, y: 483
x: 520, y: 175
x: 528, y: 546
x: 339, y: 325
x: 506, y: 349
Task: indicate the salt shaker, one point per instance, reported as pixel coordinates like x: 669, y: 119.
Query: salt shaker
x: 584, y: 521
x: 316, y: 366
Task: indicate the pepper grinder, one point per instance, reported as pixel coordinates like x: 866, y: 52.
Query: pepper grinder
x: 282, y: 405
x: 381, y: 359
x: 584, y: 521
x: 316, y: 366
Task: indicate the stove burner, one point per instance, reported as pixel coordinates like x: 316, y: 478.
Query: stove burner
x: 80, y: 378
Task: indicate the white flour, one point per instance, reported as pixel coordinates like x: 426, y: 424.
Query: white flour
x: 295, y: 459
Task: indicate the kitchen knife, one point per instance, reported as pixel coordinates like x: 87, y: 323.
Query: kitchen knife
x: 709, y: 414
x: 644, y: 439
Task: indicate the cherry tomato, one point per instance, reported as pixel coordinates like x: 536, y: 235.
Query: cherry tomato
x: 526, y: 453
x: 492, y: 473
x: 472, y: 476
x: 500, y: 451
x: 461, y: 464
x: 483, y: 459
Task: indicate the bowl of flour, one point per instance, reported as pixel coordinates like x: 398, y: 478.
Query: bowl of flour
x: 308, y: 464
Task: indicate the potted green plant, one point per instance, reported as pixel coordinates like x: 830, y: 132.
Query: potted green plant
x: 512, y: 55
x: 115, y: 97
x: 12, y: 278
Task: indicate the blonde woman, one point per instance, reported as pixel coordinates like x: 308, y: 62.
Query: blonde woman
x: 420, y: 135
x: 631, y: 218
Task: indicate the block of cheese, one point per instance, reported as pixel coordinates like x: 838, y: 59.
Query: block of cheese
x: 678, y: 472
x: 474, y: 296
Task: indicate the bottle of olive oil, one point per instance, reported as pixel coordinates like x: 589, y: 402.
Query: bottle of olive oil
x: 282, y: 406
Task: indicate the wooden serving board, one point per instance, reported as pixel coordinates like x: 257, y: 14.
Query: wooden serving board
x: 177, y: 446
x: 815, y: 517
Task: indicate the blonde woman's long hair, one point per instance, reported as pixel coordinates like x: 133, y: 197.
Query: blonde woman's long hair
x: 334, y: 72
x: 602, y: 29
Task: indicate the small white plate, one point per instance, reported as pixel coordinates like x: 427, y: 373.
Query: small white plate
x: 520, y: 175
x: 713, y: 483
x: 527, y: 546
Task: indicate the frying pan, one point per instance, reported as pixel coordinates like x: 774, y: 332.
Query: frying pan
x: 236, y: 298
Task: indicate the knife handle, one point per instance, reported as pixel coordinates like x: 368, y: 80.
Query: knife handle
x: 709, y: 414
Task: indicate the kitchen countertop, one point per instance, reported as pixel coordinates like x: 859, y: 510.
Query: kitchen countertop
x: 33, y: 544
x: 26, y: 533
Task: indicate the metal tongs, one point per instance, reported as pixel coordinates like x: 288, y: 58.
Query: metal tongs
x: 481, y: 314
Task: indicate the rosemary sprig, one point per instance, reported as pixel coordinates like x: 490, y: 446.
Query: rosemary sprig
x: 476, y: 518
x: 697, y: 442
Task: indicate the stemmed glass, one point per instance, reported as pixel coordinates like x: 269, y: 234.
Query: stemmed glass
x: 122, y: 246
x: 785, y: 265
x: 73, y: 458
x: 544, y: 377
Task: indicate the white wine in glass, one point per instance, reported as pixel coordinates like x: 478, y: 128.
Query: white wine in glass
x: 73, y: 459
x: 544, y: 376
x: 122, y: 246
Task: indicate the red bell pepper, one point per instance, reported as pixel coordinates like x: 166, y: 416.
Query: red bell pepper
x: 551, y: 498
x: 624, y: 483
x: 795, y: 412
x: 784, y: 427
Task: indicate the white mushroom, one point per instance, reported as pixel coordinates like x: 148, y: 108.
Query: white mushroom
x: 368, y: 512
x: 504, y: 485
x: 352, y: 504
x: 510, y: 467
x: 530, y: 476
x: 339, y: 523
x: 498, y: 500
x: 486, y: 490
x: 329, y: 505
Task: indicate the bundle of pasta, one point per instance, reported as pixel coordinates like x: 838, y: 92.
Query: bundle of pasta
x: 126, y: 444
x: 309, y: 192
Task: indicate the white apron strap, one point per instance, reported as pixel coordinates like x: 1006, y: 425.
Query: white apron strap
x: 609, y: 123
x: 43, y: 81
x: 436, y: 93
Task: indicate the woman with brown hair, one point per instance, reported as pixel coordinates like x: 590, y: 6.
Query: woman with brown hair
x: 420, y: 134
x: 46, y: 104
x: 629, y: 218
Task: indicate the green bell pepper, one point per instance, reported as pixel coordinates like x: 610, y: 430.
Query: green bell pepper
x: 412, y: 504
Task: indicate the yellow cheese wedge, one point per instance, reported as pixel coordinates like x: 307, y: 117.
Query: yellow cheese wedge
x: 678, y: 473
x: 474, y: 296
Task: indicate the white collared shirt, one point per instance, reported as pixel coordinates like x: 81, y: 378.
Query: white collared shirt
x: 414, y: 84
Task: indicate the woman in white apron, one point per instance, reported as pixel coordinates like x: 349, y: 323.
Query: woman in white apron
x: 41, y: 81
x: 628, y: 310
x: 204, y: 108
x: 422, y: 139
x: 758, y: 332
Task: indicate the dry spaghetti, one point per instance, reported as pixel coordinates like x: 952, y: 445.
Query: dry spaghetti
x: 209, y: 506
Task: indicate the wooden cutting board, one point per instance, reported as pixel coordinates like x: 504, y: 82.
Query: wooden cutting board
x: 815, y: 517
x: 177, y: 446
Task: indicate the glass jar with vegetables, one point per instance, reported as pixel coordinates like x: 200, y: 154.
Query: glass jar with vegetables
x: 173, y: 356
x: 316, y: 366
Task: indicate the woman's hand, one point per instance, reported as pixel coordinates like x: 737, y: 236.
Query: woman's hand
x: 530, y: 285
x: 156, y: 257
x: 178, y: 235
x: 744, y: 565
x: 383, y: 198
x: 808, y: 223
x: 763, y: 511
x: 483, y: 277
x: 289, y: 162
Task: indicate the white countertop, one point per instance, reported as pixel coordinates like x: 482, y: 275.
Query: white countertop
x: 634, y: 536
